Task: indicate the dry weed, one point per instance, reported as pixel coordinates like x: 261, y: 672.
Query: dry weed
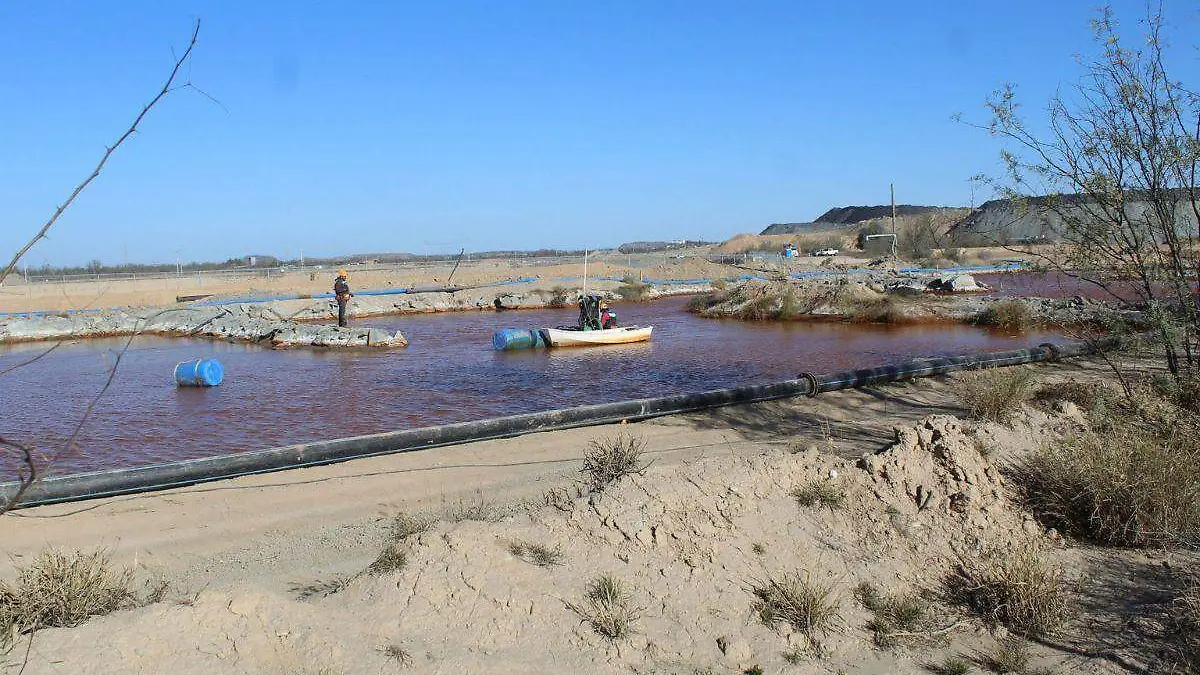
x: 1130, y: 479
x: 1013, y: 588
x: 391, y: 559
x: 819, y: 493
x: 1009, y: 315
x: 608, y: 607
x: 1008, y: 656
x: 61, y: 589
x: 398, y: 654
x: 537, y: 554
x: 995, y: 395
x: 795, y: 599
x: 896, y: 617
x: 608, y: 460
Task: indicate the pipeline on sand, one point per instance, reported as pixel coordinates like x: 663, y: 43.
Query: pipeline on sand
x: 190, y: 472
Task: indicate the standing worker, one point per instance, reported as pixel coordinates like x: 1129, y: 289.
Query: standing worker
x: 341, y: 291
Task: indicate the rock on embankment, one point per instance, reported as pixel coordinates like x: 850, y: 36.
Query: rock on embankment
x: 244, y: 322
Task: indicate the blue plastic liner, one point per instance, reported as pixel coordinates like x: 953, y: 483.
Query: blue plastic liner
x: 199, y: 373
x: 516, y: 338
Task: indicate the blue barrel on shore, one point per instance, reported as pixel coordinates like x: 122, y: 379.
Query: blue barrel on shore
x: 199, y: 373
x: 516, y: 338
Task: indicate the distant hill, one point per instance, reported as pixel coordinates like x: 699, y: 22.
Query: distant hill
x: 1041, y: 218
x: 799, y: 228
x: 848, y: 215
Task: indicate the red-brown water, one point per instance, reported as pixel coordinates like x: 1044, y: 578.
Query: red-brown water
x: 449, y: 374
x: 1051, y: 285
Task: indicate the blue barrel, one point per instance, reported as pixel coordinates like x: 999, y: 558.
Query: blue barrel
x: 199, y: 373
x: 516, y: 338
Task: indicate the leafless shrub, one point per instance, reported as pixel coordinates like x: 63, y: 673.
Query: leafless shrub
x: 608, y: 460
x: 1013, y: 588
x: 795, y: 599
x: 995, y: 395
x: 480, y: 510
x: 61, y: 589
x: 608, y: 607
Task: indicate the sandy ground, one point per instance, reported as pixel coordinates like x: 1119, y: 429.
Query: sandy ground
x: 267, y: 574
x: 690, y: 264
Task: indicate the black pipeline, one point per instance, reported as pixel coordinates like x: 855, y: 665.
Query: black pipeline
x: 190, y: 472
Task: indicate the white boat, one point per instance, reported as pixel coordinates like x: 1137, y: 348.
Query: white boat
x: 586, y: 338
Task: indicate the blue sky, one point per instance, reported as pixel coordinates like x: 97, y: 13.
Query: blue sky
x: 426, y: 127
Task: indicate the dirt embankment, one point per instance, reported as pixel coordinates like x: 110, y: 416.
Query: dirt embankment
x: 889, y: 298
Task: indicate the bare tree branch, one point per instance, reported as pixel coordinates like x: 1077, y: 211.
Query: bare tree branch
x: 166, y: 89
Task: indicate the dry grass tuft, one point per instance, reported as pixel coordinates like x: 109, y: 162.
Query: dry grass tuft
x: 405, y: 526
x: 951, y: 665
x: 896, y: 616
x: 61, y: 589
x: 608, y: 460
x: 478, y: 509
x: 995, y: 395
x: 884, y: 309
x: 608, y: 607
x: 1015, y: 589
x: 805, y: 605
x: 1131, y: 479
x: 1087, y: 395
x: 1008, y: 656
x: 1009, y: 315
x: 819, y: 493
x: 398, y: 654
x: 537, y: 554
x: 1183, y: 625
x: 391, y: 559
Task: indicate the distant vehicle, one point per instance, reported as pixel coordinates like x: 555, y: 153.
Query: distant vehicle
x: 825, y: 251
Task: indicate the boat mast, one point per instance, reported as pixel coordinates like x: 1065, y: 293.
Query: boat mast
x: 585, y: 252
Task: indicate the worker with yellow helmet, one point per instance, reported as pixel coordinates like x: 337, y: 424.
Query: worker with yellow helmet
x: 341, y: 292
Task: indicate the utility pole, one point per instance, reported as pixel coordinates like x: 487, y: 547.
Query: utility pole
x: 302, y: 257
x: 892, y: 189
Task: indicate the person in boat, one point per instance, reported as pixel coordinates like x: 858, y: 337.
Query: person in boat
x: 341, y: 293
x: 608, y: 318
x: 499, y: 305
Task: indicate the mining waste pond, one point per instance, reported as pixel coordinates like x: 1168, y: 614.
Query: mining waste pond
x: 450, y: 373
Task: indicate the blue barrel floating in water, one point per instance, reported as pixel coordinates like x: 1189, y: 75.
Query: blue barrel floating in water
x: 199, y: 373
x: 516, y: 338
